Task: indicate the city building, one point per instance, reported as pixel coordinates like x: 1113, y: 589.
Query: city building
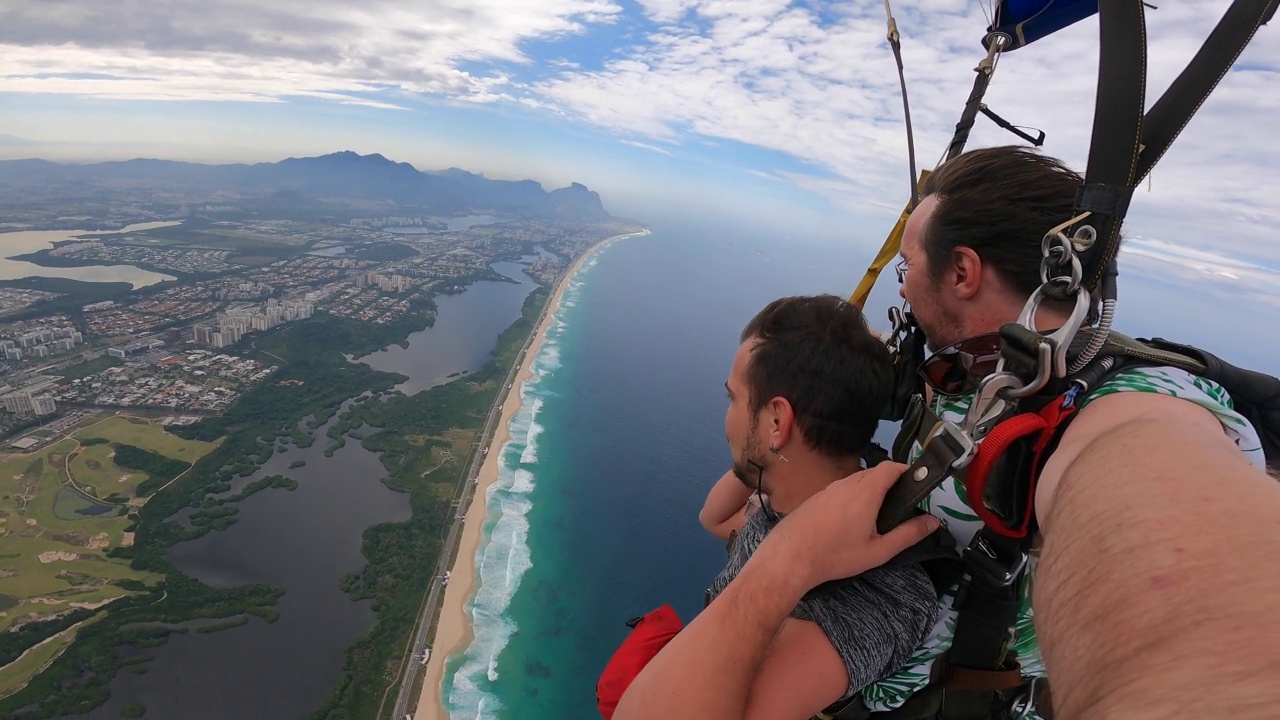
x: 19, y: 403
x: 44, y: 405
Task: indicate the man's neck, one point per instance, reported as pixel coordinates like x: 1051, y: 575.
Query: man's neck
x: 803, y: 475
x: 990, y: 321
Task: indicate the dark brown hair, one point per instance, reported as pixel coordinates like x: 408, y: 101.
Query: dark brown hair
x: 819, y: 354
x: 1000, y: 202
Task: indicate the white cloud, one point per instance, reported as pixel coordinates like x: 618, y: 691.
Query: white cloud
x: 822, y: 87
x: 254, y: 51
x: 646, y: 146
x: 1228, y: 277
x: 809, y: 80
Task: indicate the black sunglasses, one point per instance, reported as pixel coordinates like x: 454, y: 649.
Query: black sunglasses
x: 958, y: 369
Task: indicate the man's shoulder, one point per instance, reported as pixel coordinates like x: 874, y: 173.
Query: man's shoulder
x: 1171, y: 382
x: 892, y: 584
x: 1164, y: 380
x: 1177, y: 383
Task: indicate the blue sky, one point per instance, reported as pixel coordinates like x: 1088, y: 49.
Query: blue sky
x: 755, y: 109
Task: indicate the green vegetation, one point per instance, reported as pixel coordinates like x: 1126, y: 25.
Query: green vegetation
x: 133, y: 710
x: 56, y: 558
x: 74, y: 294
x: 19, y: 640
x: 142, y: 433
x: 158, y: 468
x: 384, y: 252
x: 200, y: 232
x: 76, y: 682
x: 297, y: 464
x: 152, y: 599
x: 19, y: 673
x: 251, y: 260
x: 89, y: 367
x: 224, y: 624
x: 61, y: 566
x: 401, y: 555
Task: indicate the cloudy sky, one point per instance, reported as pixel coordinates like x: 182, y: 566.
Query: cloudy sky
x: 740, y: 106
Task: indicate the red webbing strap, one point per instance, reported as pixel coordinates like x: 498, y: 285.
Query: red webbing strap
x: 997, y: 443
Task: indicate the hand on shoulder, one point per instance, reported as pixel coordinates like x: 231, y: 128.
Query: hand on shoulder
x: 833, y: 534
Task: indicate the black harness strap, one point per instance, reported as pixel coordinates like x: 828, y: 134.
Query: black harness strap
x: 1127, y: 142
x: 1036, y: 140
x: 1174, y: 109
x: 965, y: 125
x: 987, y: 607
x: 1117, y: 127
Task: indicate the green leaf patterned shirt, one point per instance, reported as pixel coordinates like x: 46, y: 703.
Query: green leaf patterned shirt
x: 950, y: 503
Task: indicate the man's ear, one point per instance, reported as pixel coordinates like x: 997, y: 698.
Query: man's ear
x: 780, y: 418
x: 967, y: 269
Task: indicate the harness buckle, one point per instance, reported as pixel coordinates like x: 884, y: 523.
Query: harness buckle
x: 981, y: 558
x: 958, y: 443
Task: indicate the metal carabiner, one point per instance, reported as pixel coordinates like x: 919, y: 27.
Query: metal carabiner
x: 990, y: 403
x: 1051, y: 360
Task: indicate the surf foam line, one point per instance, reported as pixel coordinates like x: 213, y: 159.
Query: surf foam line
x: 504, y: 556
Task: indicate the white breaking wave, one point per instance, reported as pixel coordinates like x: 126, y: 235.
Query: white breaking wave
x: 504, y: 555
x: 530, y: 454
x: 502, y: 562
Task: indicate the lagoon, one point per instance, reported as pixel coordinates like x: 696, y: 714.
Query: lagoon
x: 29, y: 241
x: 303, y: 542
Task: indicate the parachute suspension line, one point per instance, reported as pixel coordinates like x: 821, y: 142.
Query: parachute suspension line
x: 895, y: 42
x: 996, y: 43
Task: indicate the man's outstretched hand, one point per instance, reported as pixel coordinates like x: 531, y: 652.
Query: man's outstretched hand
x: 833, y: 534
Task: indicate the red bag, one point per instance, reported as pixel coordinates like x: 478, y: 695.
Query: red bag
x: 649, y: 634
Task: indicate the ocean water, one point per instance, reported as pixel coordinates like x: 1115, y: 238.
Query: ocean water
x: 620, y: 435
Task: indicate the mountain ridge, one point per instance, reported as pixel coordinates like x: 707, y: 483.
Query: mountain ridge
x: 330, y: 178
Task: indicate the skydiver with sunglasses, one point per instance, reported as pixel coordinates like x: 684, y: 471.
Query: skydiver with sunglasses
x: 1155, y: 593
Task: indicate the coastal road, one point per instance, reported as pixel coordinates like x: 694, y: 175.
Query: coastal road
x: 462, y: 500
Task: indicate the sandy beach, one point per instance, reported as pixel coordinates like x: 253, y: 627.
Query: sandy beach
x: 454, y: 629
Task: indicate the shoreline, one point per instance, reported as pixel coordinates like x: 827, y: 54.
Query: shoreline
x: 454, y: 631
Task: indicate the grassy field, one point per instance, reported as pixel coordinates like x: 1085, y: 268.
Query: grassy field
x: 89, y: 367
x: 224, y: 239
x: 52, y: 555
x: 148, y: 436
x: 16, y: 675
x: 93, y: 469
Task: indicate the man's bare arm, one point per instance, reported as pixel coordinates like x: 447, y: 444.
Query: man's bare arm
x: 708, y: 669
x: 725, y: 508
x: 1156, y: 594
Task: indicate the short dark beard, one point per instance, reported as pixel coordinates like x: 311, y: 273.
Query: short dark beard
x: 948, y: 332
x: 749, y: 470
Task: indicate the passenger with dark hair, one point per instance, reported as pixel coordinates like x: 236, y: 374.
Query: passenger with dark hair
x: 805, y: 394
x: 1156, y: 525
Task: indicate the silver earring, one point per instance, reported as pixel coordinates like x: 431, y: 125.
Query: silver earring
x: 777, y: 452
